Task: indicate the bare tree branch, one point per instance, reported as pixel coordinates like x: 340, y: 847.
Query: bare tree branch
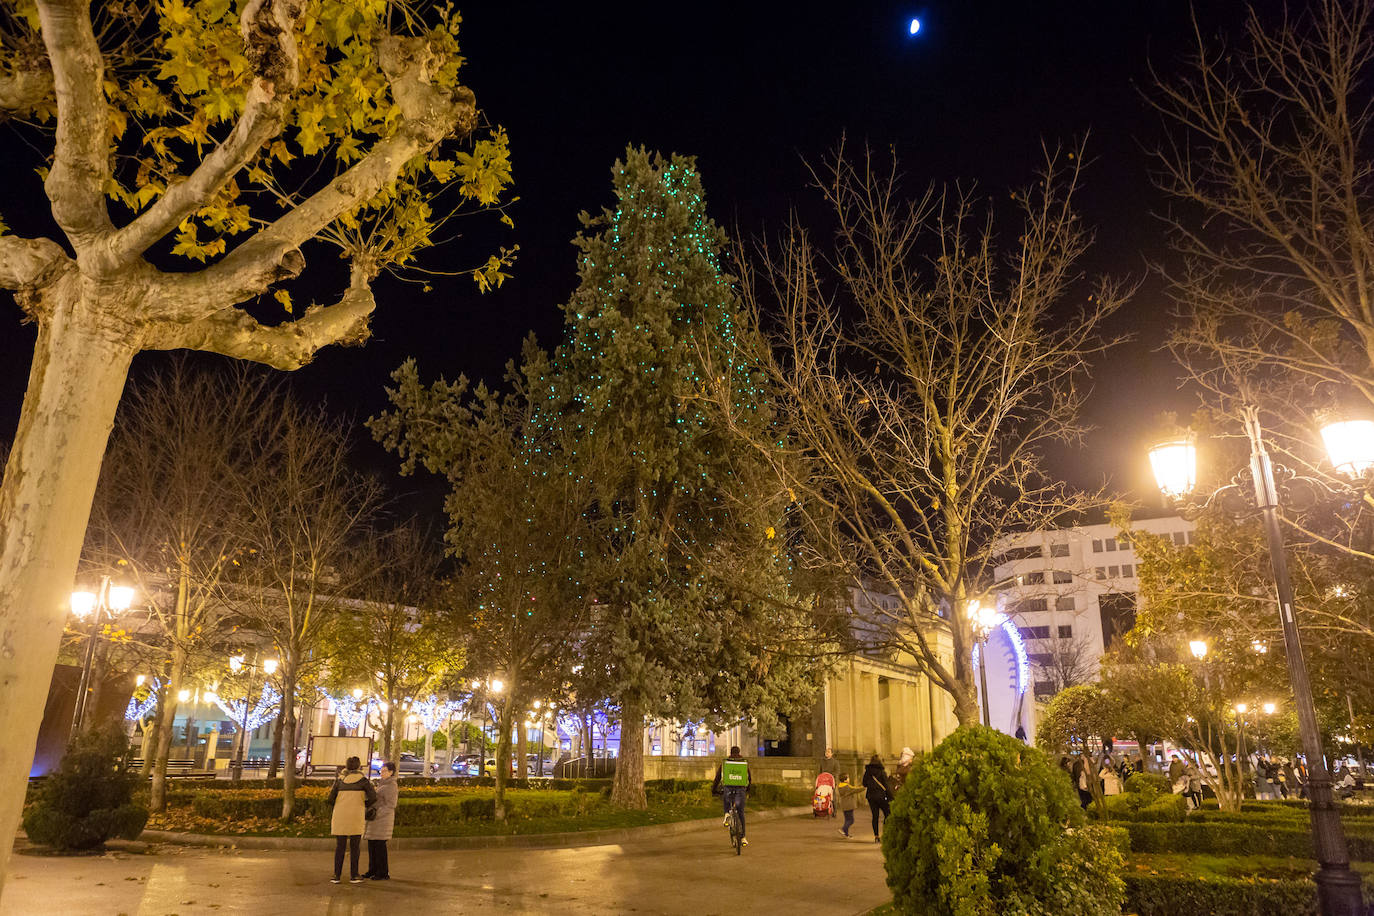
x: 285, y: 346
x: 81, y: 157
x: 29, y: 263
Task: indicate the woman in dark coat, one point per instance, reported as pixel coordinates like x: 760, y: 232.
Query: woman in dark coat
x: 876, y: 791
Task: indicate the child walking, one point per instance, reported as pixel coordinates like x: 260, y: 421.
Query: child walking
x: 849, y: 800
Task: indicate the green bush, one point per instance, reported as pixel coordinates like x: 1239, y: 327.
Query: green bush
x: 1145, y: 806
x: 1147, y: 784
x: 978, y: 829
x: 90, y: 798
x: 1230, y: 838
x: 1170, y: 895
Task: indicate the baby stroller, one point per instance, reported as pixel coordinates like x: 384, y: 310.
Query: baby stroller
x: 823, y: 801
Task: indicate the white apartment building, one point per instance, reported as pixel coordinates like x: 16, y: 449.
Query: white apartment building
x: 1071, y: 592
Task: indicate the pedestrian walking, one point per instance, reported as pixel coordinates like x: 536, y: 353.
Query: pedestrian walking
x: 350, y: 797
x: 877, y: 791
x: 1111, y: 779
x: 1176, y: 773
x: 903, y: 767
x: 849, y: 800
x: 381, y: 821
x: 1194, y: 791
x: 1079, y: 774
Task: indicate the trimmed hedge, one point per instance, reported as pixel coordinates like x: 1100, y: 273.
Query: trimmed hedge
x: 1229, y: 838
x: 1169, y: 895
x: 1164, y: 809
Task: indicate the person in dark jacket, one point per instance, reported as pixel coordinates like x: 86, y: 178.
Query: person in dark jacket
x: 733, y: 779
x: 877, y: 791
x: 378, y: 830
x: 350, y: 798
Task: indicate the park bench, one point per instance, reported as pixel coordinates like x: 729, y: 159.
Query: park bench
x: 176, y: 769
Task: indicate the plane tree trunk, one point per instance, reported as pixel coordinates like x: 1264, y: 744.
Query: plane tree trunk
x: 75, y: 382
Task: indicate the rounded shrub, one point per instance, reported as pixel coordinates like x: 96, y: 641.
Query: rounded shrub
x: 985, y: 825
x: 90, y: 798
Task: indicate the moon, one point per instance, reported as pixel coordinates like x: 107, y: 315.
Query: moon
x: 914, y: 27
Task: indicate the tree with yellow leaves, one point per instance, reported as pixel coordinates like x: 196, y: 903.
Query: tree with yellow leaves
x: 232, y: 135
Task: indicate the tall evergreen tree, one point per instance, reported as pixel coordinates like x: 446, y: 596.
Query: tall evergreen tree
x: 694, y: 617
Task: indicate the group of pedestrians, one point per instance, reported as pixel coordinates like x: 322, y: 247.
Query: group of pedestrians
x: 362, y: 810
x: 1110, y: 772
x: 876, y: 787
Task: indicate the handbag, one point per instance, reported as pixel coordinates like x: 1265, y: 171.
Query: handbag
x: 370, y: 813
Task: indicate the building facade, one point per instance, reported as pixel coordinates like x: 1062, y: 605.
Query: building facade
x: 1072, y: 593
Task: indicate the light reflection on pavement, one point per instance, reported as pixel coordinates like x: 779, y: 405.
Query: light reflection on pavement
x: 796, y: 865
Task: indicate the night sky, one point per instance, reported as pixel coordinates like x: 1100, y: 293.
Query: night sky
x: 752, y: 89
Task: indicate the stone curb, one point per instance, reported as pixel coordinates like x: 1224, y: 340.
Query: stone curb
x: 608, y: 836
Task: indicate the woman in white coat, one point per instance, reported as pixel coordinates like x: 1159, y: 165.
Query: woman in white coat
x: 350, y: 797
x: 378, y: 830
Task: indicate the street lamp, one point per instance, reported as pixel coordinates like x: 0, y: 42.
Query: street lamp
x: 1351, y: 446
x: 1269, y: 711
x: 983, y: 620
x: 1199, y: 648
x: 111, y: 599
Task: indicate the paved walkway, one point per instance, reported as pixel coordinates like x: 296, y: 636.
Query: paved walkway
x: 797, y: 865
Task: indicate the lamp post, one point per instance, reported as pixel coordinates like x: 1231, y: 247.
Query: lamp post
x: 1351, y: 446
x: 983, y: 621
x: 111, y: 599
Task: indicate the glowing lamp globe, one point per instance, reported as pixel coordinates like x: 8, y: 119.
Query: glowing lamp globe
x: 1242, y: 707
x: 914, y: 27
x: 1175, y: 467
x: 1269, y: 709
x: 121, y: 597
x: 83, y: 603
x: 1350, y: 445
x: 236, y: 663
x: 1199, y: 648
x: 270, y: 666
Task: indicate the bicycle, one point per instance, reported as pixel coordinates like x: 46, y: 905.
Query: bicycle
x: 736, y: 830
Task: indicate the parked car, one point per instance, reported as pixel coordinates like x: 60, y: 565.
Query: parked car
x: 406, y: 765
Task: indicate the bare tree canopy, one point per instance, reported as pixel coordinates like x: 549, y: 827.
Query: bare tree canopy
x: 1268, y: 164
x: 920, y: 367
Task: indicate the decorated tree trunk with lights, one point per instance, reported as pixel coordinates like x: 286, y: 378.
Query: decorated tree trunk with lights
x: 693, y: 616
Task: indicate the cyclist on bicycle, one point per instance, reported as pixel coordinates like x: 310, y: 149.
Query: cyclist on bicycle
x: 732, y: 782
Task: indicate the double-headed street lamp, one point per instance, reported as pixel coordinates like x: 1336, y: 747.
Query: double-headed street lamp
x: 107, y: 599
x: 1350, y: 445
